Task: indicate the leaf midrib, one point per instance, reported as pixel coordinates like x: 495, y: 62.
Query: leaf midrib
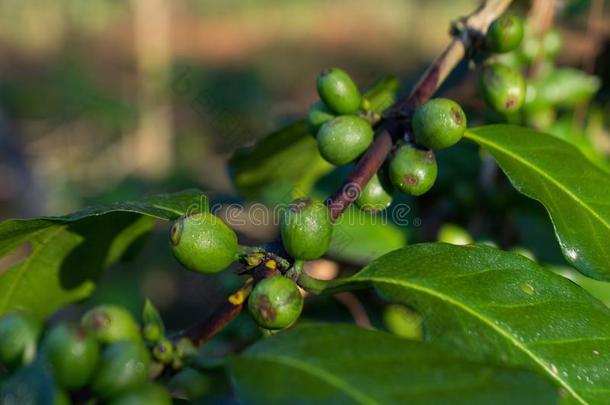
x: 321, y: 374
x: 483, y: 319
x: 552, y: 180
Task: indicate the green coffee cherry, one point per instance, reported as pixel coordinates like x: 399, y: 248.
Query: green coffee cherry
x: 275, y: 303
x: 122, y: 367
x: 202, y: 242
x: 503, y: 88
x: 189, y: 384
x: 450, y: 233
x: 439, y: 123
x: 306, y: 229
x: 111, y: 323
x: 72, y: 354
x: 344, y: 138
x: 504, y: 34
x: 338, y: 91
x: 164, y: 351
x: 148, y: 394
x: 18, y: 338
x: 377, y: 194
x: 412, y: 170
x: 318, y: 115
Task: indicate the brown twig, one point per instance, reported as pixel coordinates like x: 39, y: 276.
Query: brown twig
x: 391, y: 129
x: 203, y: 331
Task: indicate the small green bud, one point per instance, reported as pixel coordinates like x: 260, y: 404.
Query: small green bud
x: 306, y: 229
x: 504, y: 34
x: 503, y: 88
x: 164, y: 351
x: 377, y: 194
x: 203, y: 242
x: 72, y: 354
x: 275, y: 303
x: 18, y: 339
x: 412, y: 170
x: 189, y: 384
x: 338, y: 91
x: 123, y: 367
x: 152, y: 333
x: 317, y: 116
x: 185, y: 347
x: 111, y: 323
x: 147, y: 394
x: 153, y: 328
x: 344, y: 138
x: 439, y: 123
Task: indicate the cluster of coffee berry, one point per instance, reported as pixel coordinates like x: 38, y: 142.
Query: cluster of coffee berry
x: 108, y: 356
x: 344, y: 134
x: 502, y: 86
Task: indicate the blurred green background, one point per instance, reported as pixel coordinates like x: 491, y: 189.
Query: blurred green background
x: 108, y: 100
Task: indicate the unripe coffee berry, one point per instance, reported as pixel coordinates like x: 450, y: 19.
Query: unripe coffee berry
x: 306, y: 229
x: 148, y: 394
x: 111, y: 323
x: 377, y: 194
x: 317, y: 116
x: 275, y: 302
x: 344, y: 138
x: 504, y: 34
x: 503, y: 88
x: 18, y: 338
x: 439, y: 123
x: 412, y: 170
x: 164, y: 351
x: 122, y: 367
x: 72, y: 354
x: 203, y: 242
x: 338, y: 91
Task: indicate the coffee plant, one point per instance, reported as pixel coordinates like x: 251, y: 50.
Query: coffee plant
x: 470, y: 322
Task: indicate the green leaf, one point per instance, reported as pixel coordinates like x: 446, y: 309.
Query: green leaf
x: 359, y: 237
x: 563, y: 87
x: 575, y: 192
x: 65, y: 255
x: 498, y: 306
x: 286, y: 164
x: 282, y: 166
x: 341, y: 364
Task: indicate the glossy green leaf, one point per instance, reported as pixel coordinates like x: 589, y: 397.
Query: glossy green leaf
x: 575, y: 192
x: 341, y: 364
x: 359, y: 237
x: 63, y: 256
x: 286, y: 164
x: 492, y: 305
